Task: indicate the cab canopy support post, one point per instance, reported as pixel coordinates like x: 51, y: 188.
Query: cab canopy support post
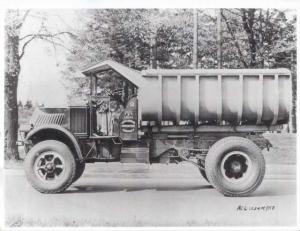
x: 93, y: 88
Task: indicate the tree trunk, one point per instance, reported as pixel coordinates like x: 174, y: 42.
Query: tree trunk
x: 12, y: 70
x: 153, y: 51
x: 248, y: 17
x: 195, y: 40
x: 219, y: 39
x: 236, y: 42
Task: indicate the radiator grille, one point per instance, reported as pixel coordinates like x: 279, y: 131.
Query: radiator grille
x: 41, y: 118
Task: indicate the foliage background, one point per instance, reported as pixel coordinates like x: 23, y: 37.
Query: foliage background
x: 251, y: 38
x: 163, y: 38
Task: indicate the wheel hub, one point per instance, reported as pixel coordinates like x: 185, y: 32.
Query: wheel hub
x: 49, y: 165
x: 235, y: 165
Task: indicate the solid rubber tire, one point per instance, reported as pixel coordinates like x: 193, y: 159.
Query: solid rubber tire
x: 214, y: 158
x: 80, y: 167
x: 69, y: 172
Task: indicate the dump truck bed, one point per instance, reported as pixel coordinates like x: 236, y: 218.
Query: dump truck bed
x: 237, y: 96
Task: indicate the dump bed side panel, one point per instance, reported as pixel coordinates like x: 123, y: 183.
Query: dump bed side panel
x: 256, y: 97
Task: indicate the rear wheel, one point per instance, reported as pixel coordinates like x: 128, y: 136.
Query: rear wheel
x: 50, y: 166
x: 235, y: 166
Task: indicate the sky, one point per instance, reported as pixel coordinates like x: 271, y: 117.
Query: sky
x: 41, y: 79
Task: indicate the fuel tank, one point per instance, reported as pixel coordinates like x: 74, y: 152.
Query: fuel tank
x: 236, y: 96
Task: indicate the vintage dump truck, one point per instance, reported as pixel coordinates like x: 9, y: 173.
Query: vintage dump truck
x: 213, y: 119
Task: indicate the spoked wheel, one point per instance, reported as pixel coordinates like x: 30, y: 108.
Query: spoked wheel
x: 50, y: 166
x: 235, y: 166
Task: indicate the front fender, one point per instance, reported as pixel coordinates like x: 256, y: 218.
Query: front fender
x: 55, y: 129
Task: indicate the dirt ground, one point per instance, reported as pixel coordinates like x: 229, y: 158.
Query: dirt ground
x: 156, y: 195
x: 141, y: 195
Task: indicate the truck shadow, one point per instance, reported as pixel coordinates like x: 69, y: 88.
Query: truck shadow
x: 270, y: 192
x: 132, y: 188
x: 266, y: 191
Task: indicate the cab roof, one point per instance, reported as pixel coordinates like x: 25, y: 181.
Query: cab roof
x: 128, y: 73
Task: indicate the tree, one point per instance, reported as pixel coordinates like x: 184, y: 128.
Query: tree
x: 163, y: 38
x: 14, y: 22
x: 257, y: 37
x: 15, y: 47
x: 261, y: 39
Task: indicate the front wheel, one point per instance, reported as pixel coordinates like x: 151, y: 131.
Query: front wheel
x: 235, y: 166
x: 50, y: 166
